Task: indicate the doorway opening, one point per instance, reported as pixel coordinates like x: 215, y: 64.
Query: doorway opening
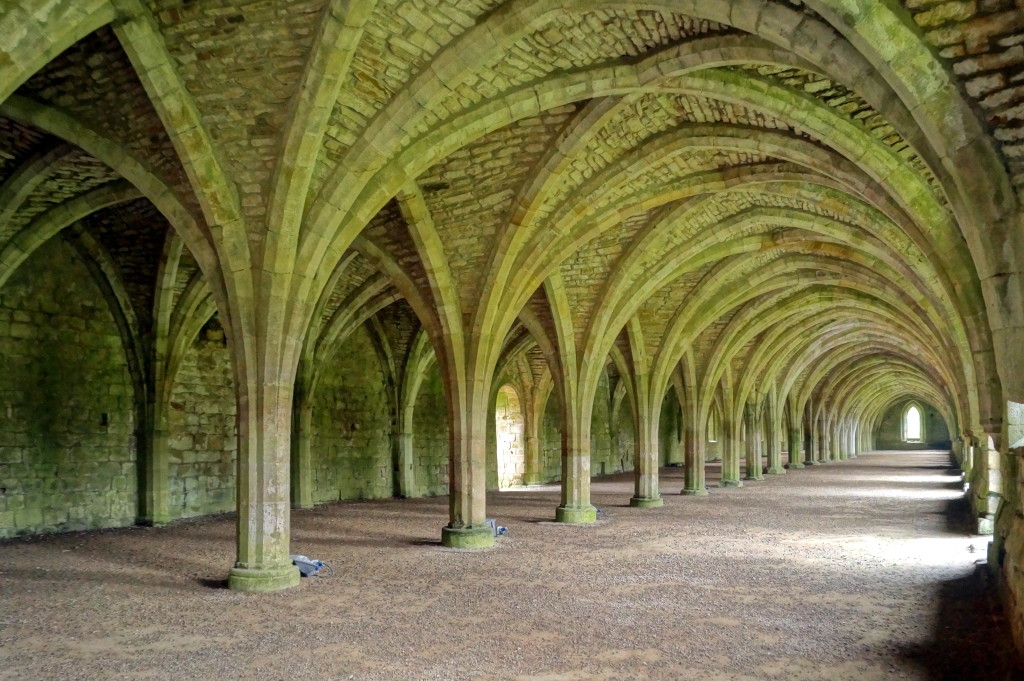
x: 508, y: 418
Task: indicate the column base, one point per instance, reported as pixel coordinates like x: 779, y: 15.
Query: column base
x: 576, y: 516
x: 755, y: 478
x: 702, y: 492
x: 730, y: 483
x: 644, y: 502
x: 810, y: 463
x: 469, y: 537
x: 794, y: 466
x: 776, y: 470
x: 263, y: 579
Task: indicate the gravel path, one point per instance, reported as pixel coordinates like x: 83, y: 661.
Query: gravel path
x: 857, y: 570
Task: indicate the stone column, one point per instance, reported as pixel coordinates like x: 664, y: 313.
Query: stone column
x: 810, y: 443
x: 467, y: 495
x: 575, y: 507
x: 823, y: 441
x: 532, y: 477
x: 752, y: 423
x: 988, y: 482
x: 967, y: 458
x: 155, y: 492
x: 868, y: 441
x: 796, y: 442
x: 264, y: 471
x: 978, y: 460
x: 645, y: 472
x: 675, y: 450
x: 531, y: 438
x: 406, y: 462
x: 647, y: 455
x: 730, y: 452
x: 694, y: 443
x: 694, y: 439
x: 774, y: 447
x: 775, y: 466
x: 302, y: 466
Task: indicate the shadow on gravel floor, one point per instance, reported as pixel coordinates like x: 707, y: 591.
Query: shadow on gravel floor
x: 971, y: 640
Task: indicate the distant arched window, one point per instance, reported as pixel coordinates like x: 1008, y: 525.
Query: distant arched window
x: 713, y: 424
x: 913, y: 430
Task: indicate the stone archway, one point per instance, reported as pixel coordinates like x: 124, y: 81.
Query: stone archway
x: 509, y: 426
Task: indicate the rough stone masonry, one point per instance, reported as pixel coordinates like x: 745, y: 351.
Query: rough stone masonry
x: 260, y: 255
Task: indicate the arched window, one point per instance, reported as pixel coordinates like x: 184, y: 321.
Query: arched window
x: 912, y: 426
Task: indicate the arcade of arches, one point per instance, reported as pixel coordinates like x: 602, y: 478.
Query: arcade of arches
x: 262, y: 255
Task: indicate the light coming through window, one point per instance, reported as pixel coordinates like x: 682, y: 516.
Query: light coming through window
x: 912, y: 424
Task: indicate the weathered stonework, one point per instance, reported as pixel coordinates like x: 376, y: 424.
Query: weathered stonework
x: 551, y: 451
x: 430, y: 437
x: 624, y: 438
x: 67, y: 437
x: 352, y: 427
x: 984, y: 43
x: 889, y: 434
x: 202, y: 439
x: 94, y: 82
x: 680, y: 239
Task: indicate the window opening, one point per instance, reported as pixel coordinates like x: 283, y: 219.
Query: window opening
x: 912, y: 424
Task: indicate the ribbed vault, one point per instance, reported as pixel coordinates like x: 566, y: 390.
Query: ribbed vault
x: 785, y: 216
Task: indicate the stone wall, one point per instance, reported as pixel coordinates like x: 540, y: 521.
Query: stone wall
x: 203, y: 441
x: 67, y: 444
x: 350, y: 439
x: 713, y: 443
x: 610, y: 446
x: 430, y: 437
x: 670, y: 431
x: 491, y: 443
x: 603, y: 457
x: 889, y: 434
x: 511, y: 440
x: 981, y: 42
x: 551, y: 442
x: 625, y: 437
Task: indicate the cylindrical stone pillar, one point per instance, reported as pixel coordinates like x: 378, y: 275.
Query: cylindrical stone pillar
x: 730, y: 454
x: 796, y: 442
x: 576, y: 507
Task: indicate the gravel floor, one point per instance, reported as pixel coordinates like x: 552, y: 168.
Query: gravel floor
x: 859, y: 570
